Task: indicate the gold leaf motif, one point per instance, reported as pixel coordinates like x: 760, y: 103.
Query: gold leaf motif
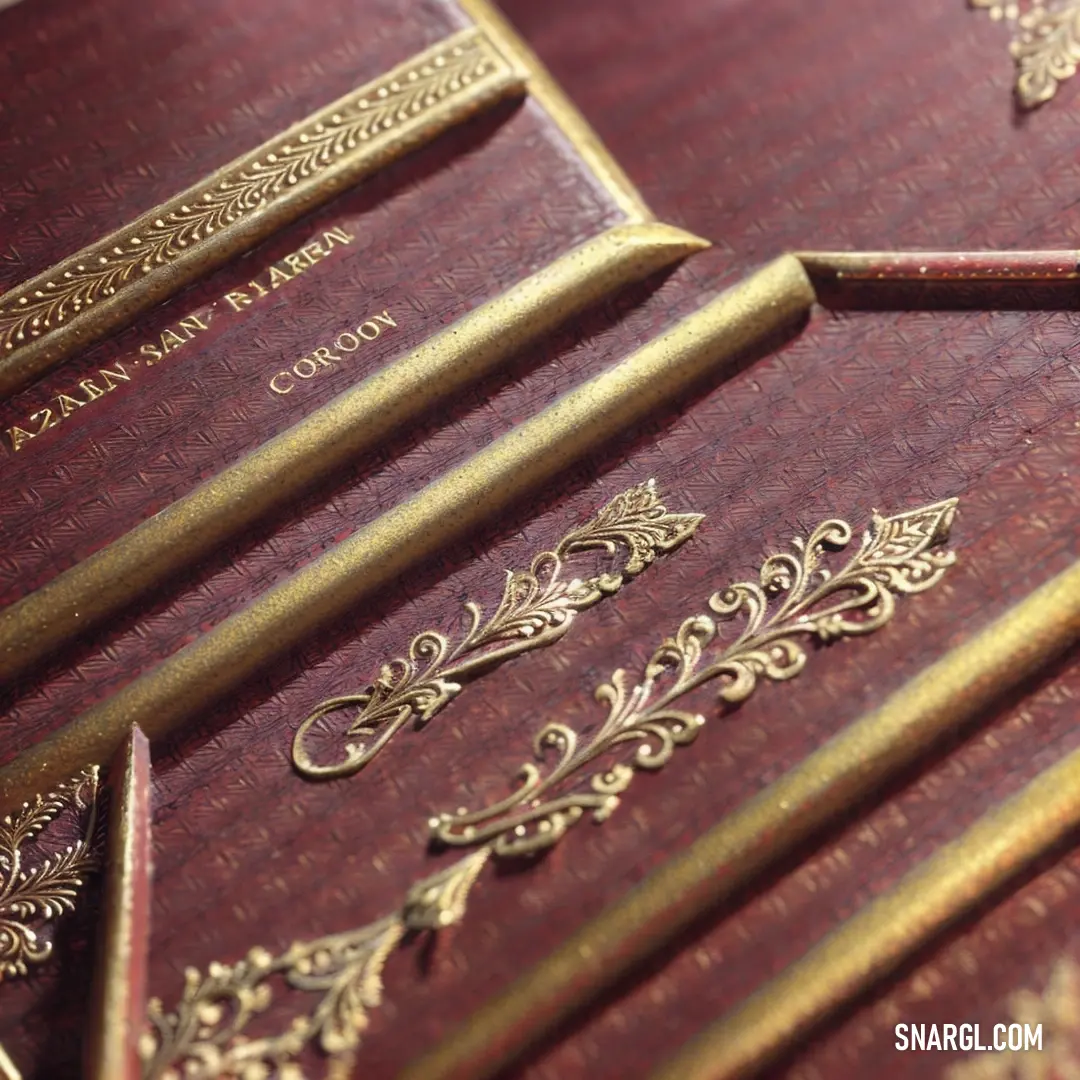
x: 204, y: 1038
x: 1046, y: 51
x: 1045, y: 45
x: 35, y: 896
x: 795, y: 598
x: 1057, y: 1009
x: 246, y: 189
x: 537, y: 607
x: 439, y: 901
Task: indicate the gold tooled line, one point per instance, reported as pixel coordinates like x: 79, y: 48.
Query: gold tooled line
x: 734, y: 852
x: 118, y: 1005
x: 356, y: 420
x: 104, y: 286
x: 515, y: 465
x: 882, y: 935
x: 544, y: 89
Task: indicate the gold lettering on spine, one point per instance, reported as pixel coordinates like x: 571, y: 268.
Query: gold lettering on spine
x: 48, y: 420
x: 18, y: 436
x: 97, y: 290
x: 238, y: 299
x: 92, y: 391
x: 190, y: 326
x: 337, y: 235
x: 322, y: 358
x: 68, y: 404
x: 113, y: 378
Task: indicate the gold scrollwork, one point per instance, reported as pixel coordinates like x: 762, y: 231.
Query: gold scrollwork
x: 1045, y: 45
x: 31, y: 898
x: 204, y: 1039
x: 300, y: 168
x: 537, y: 608
x: 809, y: 602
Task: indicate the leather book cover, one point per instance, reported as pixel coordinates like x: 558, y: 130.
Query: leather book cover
x: 382, y: 830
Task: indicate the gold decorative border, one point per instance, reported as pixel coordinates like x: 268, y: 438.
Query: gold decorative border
x: 207, y: 1027
x: 796, y: 598
x: 538, y: 607
x: 515, y: 465
x: 358, y: 419
x: 31, y: 898
x: 8, y: 1069
x: 117, y: 1014
x: 105, y: 285
x: 205, y: 1035
x: 544, y: 89
x: 1045, y: 45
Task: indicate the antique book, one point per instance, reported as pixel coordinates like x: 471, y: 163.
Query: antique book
x: 490, y: 588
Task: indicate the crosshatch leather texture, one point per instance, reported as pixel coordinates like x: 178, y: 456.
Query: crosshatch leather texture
x: 759, y: 125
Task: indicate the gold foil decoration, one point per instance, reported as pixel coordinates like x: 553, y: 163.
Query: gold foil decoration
x: 537, y: 608
x: 34, y: 896
x: 1057, y: 1009
x: 502, y: 474
x: 105, y: 285
x: 204, y: 1037
x: 795, y: 599
x: 1045, y: 45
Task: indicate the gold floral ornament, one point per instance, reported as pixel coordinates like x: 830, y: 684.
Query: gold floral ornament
x: 32, y: 897
x: 1045, y: 45
x: 204, y: 1039
x: 795, y: 599
x: 537, y: 608
x: 1058, y: 1010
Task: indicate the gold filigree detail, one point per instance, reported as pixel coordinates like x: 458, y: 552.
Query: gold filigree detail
x: 796, y: 598
x: 205, y: 1039
x: 31, y: 898
x: 1045, y: 45
x: 1058, y: 1010
x: 365, y: 124
x: 538, y: 606
x: 1046, y: 50
x: 439, y: 901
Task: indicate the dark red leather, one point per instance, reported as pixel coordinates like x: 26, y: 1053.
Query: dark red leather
x: 764, y: 125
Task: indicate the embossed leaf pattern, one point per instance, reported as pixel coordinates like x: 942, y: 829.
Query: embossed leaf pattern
x: 1046, y: 44
x: 382, y: 108
x: 1047, y: 51
x: 795, y: 598
x: 32, y: 897
x: 537, y: 607
x: 205, y: 1037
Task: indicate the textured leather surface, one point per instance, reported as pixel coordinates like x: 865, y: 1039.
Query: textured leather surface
x: 764, y: 127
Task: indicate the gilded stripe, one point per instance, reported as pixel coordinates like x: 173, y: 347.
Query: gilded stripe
x: 104, y: 286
